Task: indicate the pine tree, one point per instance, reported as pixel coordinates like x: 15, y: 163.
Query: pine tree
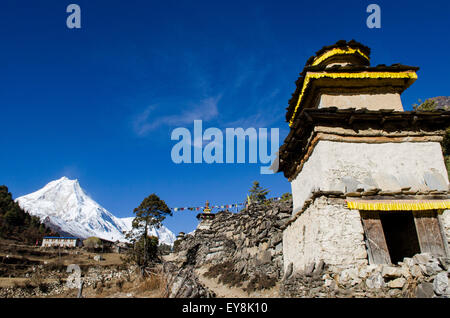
x: 151, y: 212
x: 257, y: 193
x: 427, y: 105
x: 15, y: 223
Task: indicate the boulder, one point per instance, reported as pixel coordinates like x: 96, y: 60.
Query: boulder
x: 440, y: 283
x: 391, y: 272
x: 423, y: 258
x: 424, y: 290
x: 397, y: 283
x: 375, y: 281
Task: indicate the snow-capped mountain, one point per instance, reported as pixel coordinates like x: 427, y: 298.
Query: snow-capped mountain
x: 163, y: 233
x: 65, y: 207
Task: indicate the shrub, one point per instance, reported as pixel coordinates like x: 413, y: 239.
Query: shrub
x: 226, y: 274
x: 92, y: 243
x: 119, y: 284
x: 260, y: 282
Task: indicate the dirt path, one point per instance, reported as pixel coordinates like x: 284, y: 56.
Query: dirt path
x: 223, y: 291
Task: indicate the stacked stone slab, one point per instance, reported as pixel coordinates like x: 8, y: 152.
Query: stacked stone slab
x: 251, y: 240
x: 422, y: 276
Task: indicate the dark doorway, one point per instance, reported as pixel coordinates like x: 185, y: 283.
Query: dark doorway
x: 400, y: 233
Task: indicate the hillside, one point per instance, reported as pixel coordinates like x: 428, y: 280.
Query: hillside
x: 18, y: 225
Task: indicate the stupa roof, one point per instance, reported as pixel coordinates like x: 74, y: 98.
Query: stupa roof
x: 345, y: 66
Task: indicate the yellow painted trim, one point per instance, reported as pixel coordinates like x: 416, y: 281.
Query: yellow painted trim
x: 337, y: 51
x: 362, y: 75
x: 399, y: 205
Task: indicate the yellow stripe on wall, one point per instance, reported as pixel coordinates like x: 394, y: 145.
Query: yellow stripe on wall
x: 338, y: 51
x: 404, y: 205
x: 363, y: 75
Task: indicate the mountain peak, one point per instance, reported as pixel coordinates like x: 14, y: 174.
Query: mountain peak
x: 65, y: 205
x: 65, y: 180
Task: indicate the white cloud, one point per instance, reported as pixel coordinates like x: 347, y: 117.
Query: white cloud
x: 205, y: 110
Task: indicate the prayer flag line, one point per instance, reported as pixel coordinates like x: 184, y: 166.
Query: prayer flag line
x: 224, y: 206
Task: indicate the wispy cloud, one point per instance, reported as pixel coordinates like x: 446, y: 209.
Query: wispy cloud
x: 206, y: 109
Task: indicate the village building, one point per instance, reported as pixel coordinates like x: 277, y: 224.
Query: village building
x: 368, y: 179
x: 53, y: 241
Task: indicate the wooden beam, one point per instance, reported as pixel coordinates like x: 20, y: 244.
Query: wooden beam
x: 429, y: 233
x: 375, y: 239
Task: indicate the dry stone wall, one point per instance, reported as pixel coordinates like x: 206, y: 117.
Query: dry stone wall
x: 422, y: 276
x: 250, y: 240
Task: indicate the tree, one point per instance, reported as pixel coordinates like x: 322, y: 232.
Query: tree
x: 427, y: 105
x: 92, y: 243
x: 286, y: 196
x: 150, y: 213
x: 17, y: 224
x: 257, y: 193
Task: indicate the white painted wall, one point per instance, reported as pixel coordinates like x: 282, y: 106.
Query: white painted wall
x: 325, y: 231
x: 369, y: 101
x: 406, y: 163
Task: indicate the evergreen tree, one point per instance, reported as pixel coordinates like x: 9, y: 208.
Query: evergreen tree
x: 428, y: 104
x: 17, y: 224
x: 286, y: 196
x: 151, y: 212
x: 257, y: 193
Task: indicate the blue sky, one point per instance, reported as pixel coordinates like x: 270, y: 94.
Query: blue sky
x: 99, y: 103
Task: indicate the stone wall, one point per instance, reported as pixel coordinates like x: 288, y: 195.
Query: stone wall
x: 422, y: 276
x: 251, y: 240
x: 326, y: 231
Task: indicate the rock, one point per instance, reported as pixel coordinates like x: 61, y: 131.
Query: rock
x: 375, y: 281
x: 98, y: 258
x: 328, y: 282
x: 444, y: 262
x: 430, y: 269
x: 397, y: 283
x: 408, y: 262
x: 391, y: 272
x: 423, y: 258
x: 309, y: 269
x: 289, y: 270
x: 440, y: 283
x: 265, y: 258
x: 319, y: 267
x: 425, y: 290
x: 416, y: 271
x: 349, y: 275
x: 394, y: 292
